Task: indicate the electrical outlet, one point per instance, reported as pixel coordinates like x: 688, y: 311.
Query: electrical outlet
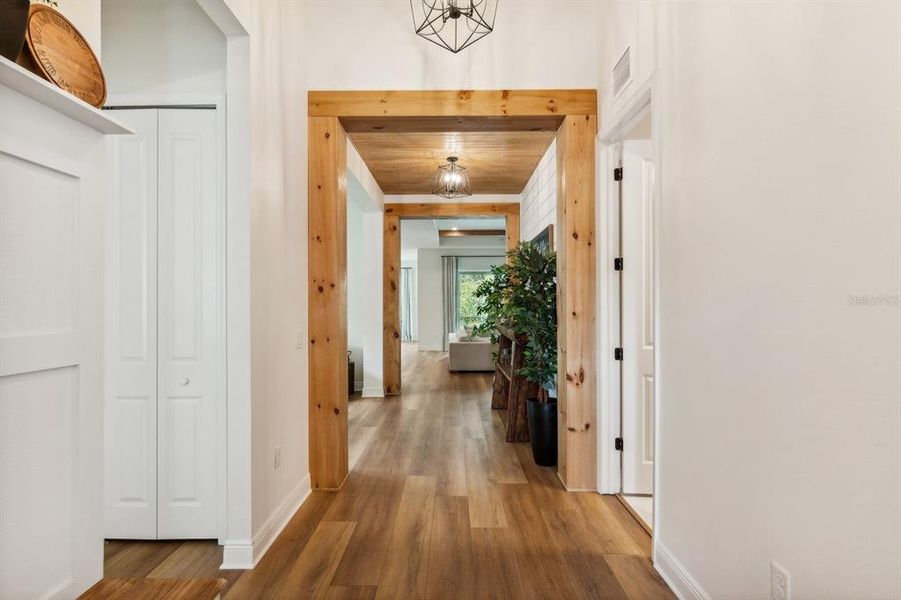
x: 278, y: 456
x: 779, y: 583
x: 298, y: 339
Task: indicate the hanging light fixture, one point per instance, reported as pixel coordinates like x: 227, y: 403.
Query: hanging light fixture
x: 451, y: 181
x: 453, y: 24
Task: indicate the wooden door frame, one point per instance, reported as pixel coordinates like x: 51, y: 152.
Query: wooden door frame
x: 573, y: 115
x: 391, y: 342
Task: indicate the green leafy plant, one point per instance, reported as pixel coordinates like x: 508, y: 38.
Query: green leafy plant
x: 522, y: 295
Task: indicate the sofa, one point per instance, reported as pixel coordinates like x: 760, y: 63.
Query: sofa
x: 466, y: 353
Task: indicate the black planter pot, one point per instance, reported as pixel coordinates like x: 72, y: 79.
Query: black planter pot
x: 13, y: 19
x: 543, y: 431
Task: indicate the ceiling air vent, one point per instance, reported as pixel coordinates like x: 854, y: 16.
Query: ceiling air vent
x: 622, y: 73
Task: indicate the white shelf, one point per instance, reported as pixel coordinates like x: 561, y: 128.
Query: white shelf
x: 23, y: 81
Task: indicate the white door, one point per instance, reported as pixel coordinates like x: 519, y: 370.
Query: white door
x: 637, y: 318
x: 131, y: 407
x: 164, y: 329
x: 187, y: 326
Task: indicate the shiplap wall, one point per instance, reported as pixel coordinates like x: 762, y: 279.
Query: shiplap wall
x: 538, y: 205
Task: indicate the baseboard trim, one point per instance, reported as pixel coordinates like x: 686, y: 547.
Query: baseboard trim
x: 676, y: 576
x: 276, y: 522
x: 237, y: 554
x: 373, y: 392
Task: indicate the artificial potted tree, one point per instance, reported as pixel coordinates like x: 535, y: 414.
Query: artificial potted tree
x: 533, y: 307
x: 522, y: 295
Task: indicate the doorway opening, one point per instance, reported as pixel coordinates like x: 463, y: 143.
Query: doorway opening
x: 443, y: 260
x: 628, y: 340
x: 570, y: 117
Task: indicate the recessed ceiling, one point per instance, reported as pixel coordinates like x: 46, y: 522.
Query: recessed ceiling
x: 498, y: 162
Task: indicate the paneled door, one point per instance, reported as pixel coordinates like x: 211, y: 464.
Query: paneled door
x: 638, y: 311
x: 165, y: 329
x: 130, y: 423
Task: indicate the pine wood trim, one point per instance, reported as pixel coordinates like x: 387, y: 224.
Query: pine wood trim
x: 450, y: 103
x: 391, y: 343
x: 512, y: 231
x: 576, y: 308
x: 327, y: 212
x: 434, y: 210
x: 391, y: 305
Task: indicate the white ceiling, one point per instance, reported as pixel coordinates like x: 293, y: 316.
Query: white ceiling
x: 423, y: 233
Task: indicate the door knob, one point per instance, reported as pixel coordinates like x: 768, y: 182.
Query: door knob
x: 185, y: 381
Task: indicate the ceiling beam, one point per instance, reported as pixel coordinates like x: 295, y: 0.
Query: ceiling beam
x: 430, y: 210
x: 471, y: 233
x: 452, y: 103
x: 450, y: 124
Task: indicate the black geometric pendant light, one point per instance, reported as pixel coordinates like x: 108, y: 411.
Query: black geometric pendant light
x: 451, y: 180
x: 453, y: 24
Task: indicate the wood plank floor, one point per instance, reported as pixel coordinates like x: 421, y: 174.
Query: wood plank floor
x: 437, y: 505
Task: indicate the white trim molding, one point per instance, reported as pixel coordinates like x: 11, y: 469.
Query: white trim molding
x: 276, y: 522
x: 676, y: 576
x: 372, y: 392
x: 237, y: 554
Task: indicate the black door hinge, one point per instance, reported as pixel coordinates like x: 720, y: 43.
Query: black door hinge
x: 618, y: 174
x: 618, y: 444
x: 617, y: 264
x: 618, y: 353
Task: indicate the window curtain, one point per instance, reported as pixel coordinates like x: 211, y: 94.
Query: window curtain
x: 406, y: 304
x: 451, y: 295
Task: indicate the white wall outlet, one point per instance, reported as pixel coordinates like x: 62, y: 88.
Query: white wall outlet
x: 278, y: 457
x: 298, y: 339
x: 779, y: 582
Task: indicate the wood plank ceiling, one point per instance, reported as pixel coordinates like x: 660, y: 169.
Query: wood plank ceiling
x: 498, y: 162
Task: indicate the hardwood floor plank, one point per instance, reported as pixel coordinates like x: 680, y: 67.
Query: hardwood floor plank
x: 450, y: 563
x: 486, y: 507
x: 358, y: 443
x: 637, y: 576
x: 452, y: 464
x: 497, y: 573
x: 139, y: 558
x: 540, y: 561
x: 592, y: 576
x: 375, y: 514
x: 350, y: 592
x: 612, y: 534
x: 505, y: 465
x: 404, y: 573
x: 312, y: 572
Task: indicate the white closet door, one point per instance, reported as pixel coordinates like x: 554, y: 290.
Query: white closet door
x: 131, y: 408
x: 187, y: 287
x: 638, y: 318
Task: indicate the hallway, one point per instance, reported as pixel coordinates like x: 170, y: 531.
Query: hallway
x: 437, y: 505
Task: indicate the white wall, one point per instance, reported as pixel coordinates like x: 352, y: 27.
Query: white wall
x: 356, y: 292
x: 430, y: 296
x: 780, y: 137
x: 538, y: 206
x: 160, y: 47
x: 536, y: 44
x: 278, y: 261
x: 363, y: 189
x: 85, y: 15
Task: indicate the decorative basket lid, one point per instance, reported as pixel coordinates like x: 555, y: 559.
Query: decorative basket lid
x: 62, y: 55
